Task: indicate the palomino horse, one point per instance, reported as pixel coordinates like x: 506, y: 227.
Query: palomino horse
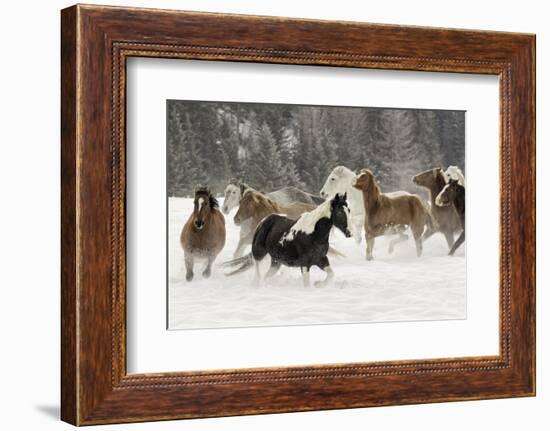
x: 203, y: 235
x: 453, y: 193
x: 234, y: 192
x: 340, y: 180
x: 385, y: 213
x: 254, y: 206
x: 446, y: 217
x: 236, y: 189
x: 299, y: 243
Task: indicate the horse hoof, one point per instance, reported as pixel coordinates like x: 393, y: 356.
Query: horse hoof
x: 390, y: 250
x: 369, y: 257
x: 320, y: 284
x: 189, y: 276
x: 206, y: 274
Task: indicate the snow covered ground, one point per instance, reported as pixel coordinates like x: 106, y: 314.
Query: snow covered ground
x: 397, y: 287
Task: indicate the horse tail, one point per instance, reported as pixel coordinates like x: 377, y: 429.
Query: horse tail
x: 245, y: 263
x: 333, y: 252
x: 234, y: 262
x: 317, y: 200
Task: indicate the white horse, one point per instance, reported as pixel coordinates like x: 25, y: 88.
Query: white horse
x: 340, y: 181
x: 454, y: 173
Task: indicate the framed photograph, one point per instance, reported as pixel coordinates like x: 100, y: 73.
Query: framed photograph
x: 264, y: 214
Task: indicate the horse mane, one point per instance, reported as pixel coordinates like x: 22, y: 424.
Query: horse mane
x: 203, y: 190
x: 307, y: 221
x: 339, y: 170
x: 214, y: 204
x: 373, y: 184
x: 440, y: 176
x: 262, y: 199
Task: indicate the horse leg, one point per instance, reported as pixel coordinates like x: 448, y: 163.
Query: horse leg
x: 305, y: 275
x: 449, y: 237
x: 325, y: 266
x: 257, y: 276
x: 370, y: 246
x: 402, y: 237
x: 458, y: 242
x: 245, y: 238
x: 272, y: 269
x: 188, y: 266
x: 428, y: 234
x: 358, y: 224
x: 417, y: 234
x: 208, y: 270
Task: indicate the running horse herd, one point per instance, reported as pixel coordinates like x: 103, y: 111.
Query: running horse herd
x: 293, y: 227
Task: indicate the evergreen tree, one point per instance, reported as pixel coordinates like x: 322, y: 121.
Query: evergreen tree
x: 428, y: 139
x: 451, y: 127
x: 287, y: 153
x: 272, y: 146
x: 265, y: 169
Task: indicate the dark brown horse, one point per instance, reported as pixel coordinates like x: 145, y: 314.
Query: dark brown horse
x: 203, y: 235
x: 454, y: 194
x: 384, y: 213
x: 446, y: 217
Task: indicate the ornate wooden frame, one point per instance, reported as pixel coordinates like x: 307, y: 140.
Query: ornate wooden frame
x: 95, y: 43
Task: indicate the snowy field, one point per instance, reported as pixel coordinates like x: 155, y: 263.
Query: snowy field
x: 397, y: 287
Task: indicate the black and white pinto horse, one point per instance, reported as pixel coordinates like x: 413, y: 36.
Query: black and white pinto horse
x: 234, y: 192
x: 454, y: 194
x: 301, y: 243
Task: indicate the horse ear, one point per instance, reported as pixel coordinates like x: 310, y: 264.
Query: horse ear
x: 345, y: 197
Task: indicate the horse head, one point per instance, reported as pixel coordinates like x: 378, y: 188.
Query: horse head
x: 448, y: 194
x: 246, y: 204
x: 254, y: 204
x: 339, y: 213
x: 232, y: 196
x: 455, y: 173
x: 429, y: 177
x: 364, y: 181
x: 338, y: 181
x: 204, y: 204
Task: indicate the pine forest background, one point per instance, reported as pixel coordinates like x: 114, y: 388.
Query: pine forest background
x: 270, y: 146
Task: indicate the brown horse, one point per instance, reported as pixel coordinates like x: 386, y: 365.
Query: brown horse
x: 385, y: 213
x: 446, y: 217
x: 203, y: 235
x: 255, y: 206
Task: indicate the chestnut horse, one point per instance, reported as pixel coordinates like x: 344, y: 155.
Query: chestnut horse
x: 203, y: 235
x: 454, y: 194
x: 445, y: 217
x: 255, y: 206
x: 384, y: 213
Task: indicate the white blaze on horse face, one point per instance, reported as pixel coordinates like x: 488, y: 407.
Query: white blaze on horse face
x: 455, y: 173
x: 201, y: 203
x: 439, y: 200
x: 348, y: 217
x: 232, y: 198
x: 307, y: 221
